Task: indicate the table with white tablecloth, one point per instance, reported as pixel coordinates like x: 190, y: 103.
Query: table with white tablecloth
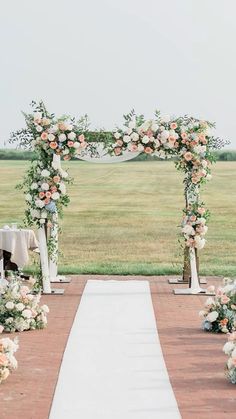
x: 18, y: 242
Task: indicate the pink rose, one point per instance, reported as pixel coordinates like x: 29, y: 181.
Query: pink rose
x: 188, y: 156
x: 224, y: 299
x: 81, y: 138
x: 117, y: 151
x: 148, y: 150
x: 201, y: 210
x: 44, y: 136
x: 173, y: 125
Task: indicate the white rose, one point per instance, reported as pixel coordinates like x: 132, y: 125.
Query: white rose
x: 234, y: 353
x: 140, y: 147
x: 35, y: 213
x: 44, y: 214
x: 228, y: 348
x: 66, y: 151
x: 27, y: 313
x: 164, y: 136
x: 69, y: 127
x: 37, y: 116
x: 230, y: 363
x: 189, y: 230
x: 62, y: 137
x: 146, y: 125
x: 45, y: 173
x: 209, y: 302
x: 154, y: 127
x: 132, y: 124
x: 117, y: 135
x: 39, y: 203
x: 71, y: 136
x: 45, y: 186
x: 165, y: 118
x: 211, y: 317
x: 126, y: 138
x: 135, y: 136
x: 51, y: 137
x: 129, y: 131
x: 55, y: 196
x: 39, y: 128
x: 20, y: 306
x: 204, y: 230
x: 28, y: 197
x: 34, y: 186
x: 157, y: 142
x: 42, y: 220
x: 145, y: 139
x: 64, y: 174
x: 62, y: 188
x: 199, y: 242
x: 45, y: 308
x: 53, y: 129
x: 10, y: 305
x: 208, y: 176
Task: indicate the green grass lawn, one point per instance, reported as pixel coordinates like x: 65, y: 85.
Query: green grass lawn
x: 123, y: 218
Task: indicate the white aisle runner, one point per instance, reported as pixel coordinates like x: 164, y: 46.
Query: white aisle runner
x: 113, y: 366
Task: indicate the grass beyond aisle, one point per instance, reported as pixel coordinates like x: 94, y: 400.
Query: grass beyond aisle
x: 123, y: 218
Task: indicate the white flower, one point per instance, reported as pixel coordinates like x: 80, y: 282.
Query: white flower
x: 204, y: 164
x: 34, y: 186
x: 51, y: 137
x: 20, y: 306
x: 42, y: 220
x: 10, y: 305
x: 12, y: 361
x: 204, y: 230
x: 76, y: 144
x: 146, y: 125
x: 132, y: 124
x: 66, y: 151
x: 189, y: 230
x: 157, y: 142
x: 71, y: 136
x: 145, y: 139
x: 45, y: 308
x: 69, y: 127
x: 35, y: 213
x: 208, y: 176
x: 134, y: 136
x: 128, y: 131
x: 45, y: 173
x: 199, y: 149
x: 27, y: 313
x: 234, y: 353
x: 126, y: 138
x: 45, y: 186
x: 228, y: 348
x: 28, y: 197
x: 53, y: 129
x: 62, y: 137
x: 154, y: 127
x: 39, y: 203
x: 202, y: 313
x: 37, y: 116
x: 55, y: 196
x: 211, y: 317
x: 140, y: 147
x: 199, y: 242
x: 117, y: 135
x: 39, y: 128
x: 165, y: 118
x: 63, y: 174
x: 164, y: 136
x: 62, y: 188
x: 209, y: 302
x: 230, y: 363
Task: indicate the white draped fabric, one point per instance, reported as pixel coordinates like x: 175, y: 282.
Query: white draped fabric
x: 113, y: 367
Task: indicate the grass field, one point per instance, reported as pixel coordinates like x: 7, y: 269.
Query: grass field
x: 123, y: 218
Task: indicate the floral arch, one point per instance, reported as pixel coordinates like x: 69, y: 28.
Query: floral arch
x: 186, y: 139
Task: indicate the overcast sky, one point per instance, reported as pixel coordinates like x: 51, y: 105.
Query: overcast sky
x: 104, y: 57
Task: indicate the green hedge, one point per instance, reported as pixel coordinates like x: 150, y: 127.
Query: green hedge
x: 8, y: 154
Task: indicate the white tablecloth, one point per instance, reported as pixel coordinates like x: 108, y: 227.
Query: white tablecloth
x: 18, y: 242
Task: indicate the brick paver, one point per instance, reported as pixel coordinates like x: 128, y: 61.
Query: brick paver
x: 194, y: 359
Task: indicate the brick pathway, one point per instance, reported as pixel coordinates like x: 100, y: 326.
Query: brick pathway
x: 194, y: 359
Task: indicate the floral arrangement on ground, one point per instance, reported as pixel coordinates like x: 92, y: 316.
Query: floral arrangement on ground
x: 8, y: 362
x: 20, y: 309
x: 219, y: 311
x: 230, y: 350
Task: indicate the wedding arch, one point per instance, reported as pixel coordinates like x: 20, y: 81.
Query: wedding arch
x: 186, y: 139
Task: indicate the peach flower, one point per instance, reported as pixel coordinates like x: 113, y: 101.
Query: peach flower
x: 193, y: 218
x: 188, y: 156
x: 149, y: 133
x: 134, y: 147
x: 173, y: 125
x: 46, y: 201
x: 81, y: 138
x: 70, y: 143
x: 66, y: 157
x: 53, y: 145
x: 117, y: 151
x: 62, y: 126
x: 44, y: 135
x: 48, y: 194
x: 224, y: 299
x: 3, y: 360
x: 53, y: 189
x: 184, y: 135
x: 224, y: 322
x: 201, y: 210
x: 41, y: 195
x: 119, y: 143
x: 148, y: 150
x: 56, y: 179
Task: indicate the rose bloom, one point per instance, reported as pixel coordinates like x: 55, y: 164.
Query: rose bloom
x: 56, y: 179
x: 149, y: 133
x: 184, y: 136
x: 66, y: 157
x: 62, y: 126
x: 46, y: 201
x: 190, y: 242
x: 193, y: 218
x: 41, y: 195
x: 224, y: 299
x: 188, y: 156
x: 201, y: 210
x: 173, y: 125
x: 44, y: 135
x: 81, y: 138
x: 133, y: 147
x: 224, y: 322
x: 148, y: 150
x: 53, y: 145
x: 48, y: 194
x: 117, y: 151
x: 119, y: 143
x: 70, y: 143
x: 3, y: 360
x: 53, y: 189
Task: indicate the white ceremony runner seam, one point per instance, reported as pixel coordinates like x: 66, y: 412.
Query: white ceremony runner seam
x: 113, y: 367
